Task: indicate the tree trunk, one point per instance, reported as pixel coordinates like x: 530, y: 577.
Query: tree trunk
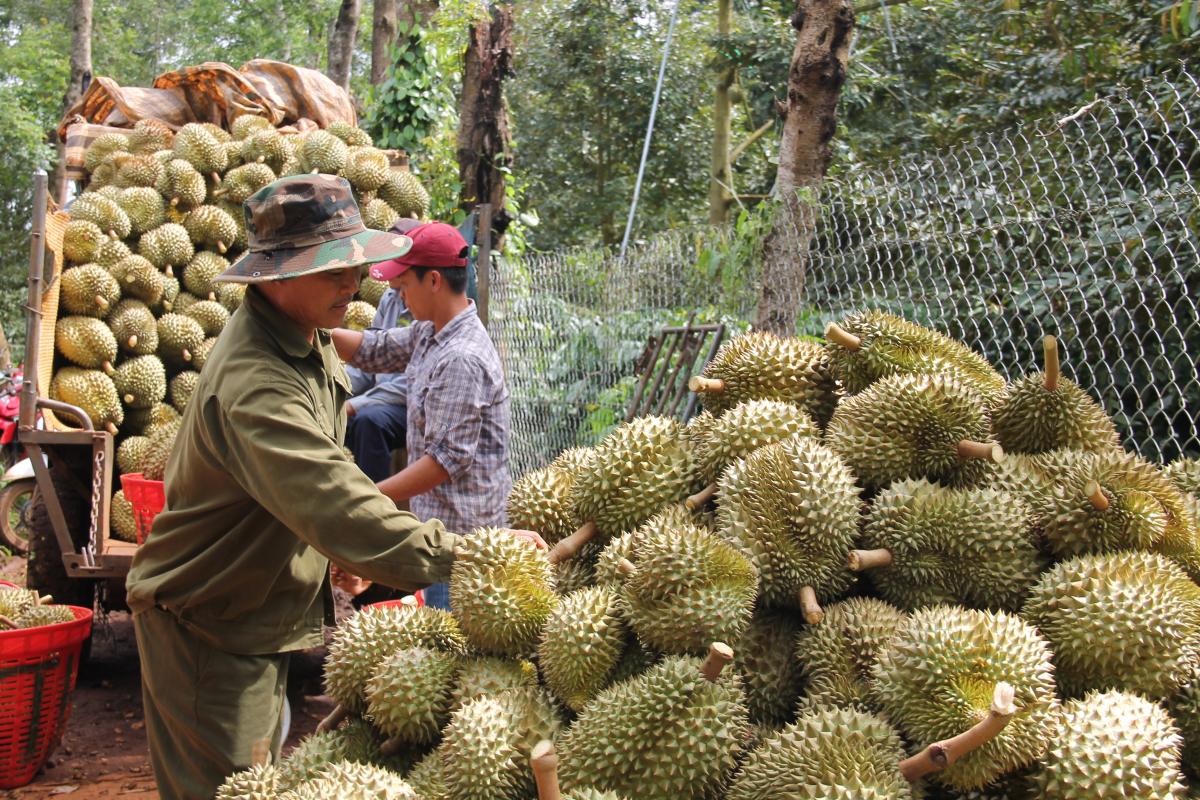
x: 341, y: 43
x: 721, y: 175
x: 383, y: 36
x: 77, y: 83
x: 483, y: 135
x: 815, y: 79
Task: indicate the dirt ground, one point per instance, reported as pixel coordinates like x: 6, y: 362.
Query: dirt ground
x: 103, y: 752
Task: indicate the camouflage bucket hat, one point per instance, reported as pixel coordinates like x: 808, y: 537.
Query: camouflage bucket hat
x: 305, y: 224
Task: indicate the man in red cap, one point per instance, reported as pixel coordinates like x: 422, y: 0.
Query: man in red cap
x: 458, y: 407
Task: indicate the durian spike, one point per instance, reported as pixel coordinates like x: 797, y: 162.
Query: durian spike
x: 6, y: 622
x: 333, y: 720
x: 813, y: 613
x: 699, y: 383
x: 991, y: 451
x: 565, y: 548
x: 110, y: 427
x: 391, y: 746
x: 860, y: 560
x: 1050, y: 348
x: 626, y: 567
x: 544, y: 761
x: 839, y: 335
x: 719, y: 654
x: 1096, y: 495
x: 940, y: 755
x: 701, y: 497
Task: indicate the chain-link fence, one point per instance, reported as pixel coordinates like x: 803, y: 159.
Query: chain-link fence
x: 1085, y: 227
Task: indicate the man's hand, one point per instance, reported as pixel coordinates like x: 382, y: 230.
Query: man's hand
x: 529, y: 536
x: 349, y: 409
x: 351, y: 584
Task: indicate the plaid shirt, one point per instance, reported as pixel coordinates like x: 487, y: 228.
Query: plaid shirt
x: 457, y: 413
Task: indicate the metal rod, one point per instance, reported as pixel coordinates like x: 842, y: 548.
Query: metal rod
x: 718, y: 337
x: 672, y: 382
x: 650, y: 355
x: 33, y: 308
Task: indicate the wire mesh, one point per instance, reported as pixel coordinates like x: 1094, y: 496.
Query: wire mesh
x: 1085, y: 227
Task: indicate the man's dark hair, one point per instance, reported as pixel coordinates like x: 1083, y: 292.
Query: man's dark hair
x: 455, y: 277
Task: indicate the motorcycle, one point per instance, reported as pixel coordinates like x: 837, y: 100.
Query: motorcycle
x: 18, y: 479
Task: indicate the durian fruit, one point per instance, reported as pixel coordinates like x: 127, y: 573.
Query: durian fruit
x: 231, y: 295
x: 92, y: 391
x: 378, y: 215
x: 1112, y: 744
x: 141, y: 381
x: 211, y: 315
x: 113, y: 251
x: 1127, y: 621
x: 14, y: 601
x: 914, y: 426
x: 182, y: 186
x: 366, y: 168
x: 133, y: 324
x: 365, y: 639
x: 256, y: 783
x: 143, y: 422
x: 486, y: 745
x: 353, y: 741
x: 130, y: 452
x: 1116, y: 501
x: 359, y: 315
x: 200, y: 357
x: 1046, y: 411
x: 828, y: 753
x: 1184, y: 706
x: 178, y: 337
x: 211, y: 227
x: 410, y: 693
x: 924, y: 544
x: 159, y: 448
x: 502, y: 591
x: 371, y: 291
x: 167, y: 247
x: 352, y: 135
x: 86, y: 342
x: 89, y: 290
x: 37, y: 616
x: 740, y: 431
x: 139, y: 279
x: 837, y: 657
x: 761, y: 366
x: 82, y: 240
x: 244, y: 181
x: 322, y: 152
x: 581, y: 644
x: 198, y: 276
x: 200, y: 146
x: 150, y: 136
x: 793, y: 506
x: 237, y: 213
x: 121, y: 519
x: 104, y: 213
x: 541, y: 501
x: 487, y: 676
x: 404, y: 193
x: 350, y: 780
x: 765, y: 659
x: 269, y: 148
x: 182, y: 387
x: 670, y: 733
x: 183, y: 302
x: 937, y: 677
x: 578, y: 572
x: 102, y: 147
x: 138, y: 171
x: 425, y: 777
x: 639, y: 468
x: 685, y: 588
x: 246, y: 125
x: 872, y: 345
x: 144, y: 207
x: 1185, y: 474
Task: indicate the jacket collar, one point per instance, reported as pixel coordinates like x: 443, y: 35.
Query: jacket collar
x: 278, y: 327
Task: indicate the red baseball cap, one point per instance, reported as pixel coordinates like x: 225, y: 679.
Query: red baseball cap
x: 434, y: 244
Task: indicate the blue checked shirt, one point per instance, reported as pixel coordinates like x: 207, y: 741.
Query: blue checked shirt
x: 457, y: 413
x: 391, y: 388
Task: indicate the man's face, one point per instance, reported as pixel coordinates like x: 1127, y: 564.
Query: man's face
x: 318, y: 300
x: 418, y: 295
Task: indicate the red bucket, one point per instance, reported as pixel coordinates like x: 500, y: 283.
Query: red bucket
x: 38, y: 667
x: 147, y: 498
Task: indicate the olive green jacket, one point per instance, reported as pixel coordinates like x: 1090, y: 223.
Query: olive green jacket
x: 260, y: 496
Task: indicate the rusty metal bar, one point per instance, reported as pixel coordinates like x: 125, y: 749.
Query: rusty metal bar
x: 27, y: 419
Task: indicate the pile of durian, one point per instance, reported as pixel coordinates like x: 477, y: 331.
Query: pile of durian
x: 25, y: 608
x: 921, y: 581
x: 160, y: 218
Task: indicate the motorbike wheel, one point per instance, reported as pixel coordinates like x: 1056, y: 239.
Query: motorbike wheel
x: 15, y: 499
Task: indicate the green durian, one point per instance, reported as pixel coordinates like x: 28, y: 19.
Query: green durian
x: 201, y: 147
x: 541, y: 501
x: 122, y: 521
x: 359, y: 315
x: 130, y: 453
x: 139, y: 279
x: 371, y: 291
x: 352, y: 135
x: 138, y: 171
x: 269, y: 148
x: 746, y: 427
x: 366, y: 168
x: 410, y: 693
x: 92, y: 391
x: 182, y: 186
x: 243, y: 181
x: 89, y: 290
x: 102, y: 147
x: 182, y: 387
x: 200, y: 357
x: 168, y: 246
x: 150, y: 136
x: 158, y: 450
x: 141, y: 381
x: 378, y: 215
x: 354, y: 741
x: 1185, y: 474
x: 403, y: 192
x: 322, y: 152
x: 104, y: 213
x: 199, y: 274
x: 351, y: 780
x: 256, y: 783
x: 486, y: 676
x: 178, y: 337
x: 765, y: 658
x: 82, y: 240
x: 86, y: 342
x: 581, y: 644
x: 133, y: 324
x: 37, y: 616
x: 211, y: 227
x: 113, y: 251
x: 211, y: 315
x: 247, y: 125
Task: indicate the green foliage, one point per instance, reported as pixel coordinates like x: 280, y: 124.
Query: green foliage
x: 409, y: 102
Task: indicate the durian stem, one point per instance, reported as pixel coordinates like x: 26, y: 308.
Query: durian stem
x: 1096, y: 495
x: 544, y: 761
x: 101, y: 303
x: 133, y: 340
x: 216, y: 178
x: 571, y: 545
x: 699, y: 383
x: 839, y: 335
x: 333, y: 720
x: 6, y: 622
x: 128, y: 399
x: 1050, y: 348
x: 260, y: 159
x: 221, y: 247
x: 174, y: 202
x: 860, y: 560
x: 701, y: 497
x: 110, y: 427
x: 719, y: 654
x: 112, y: 234
x: 44, y: 600
x: 391, y: 746
x: 212, y: 295
x: 170, y: 273
x: 187, y: 354
x: 940, y: 755
x: 813, y: 613
x: 991, y: 451
x: 626, y: 567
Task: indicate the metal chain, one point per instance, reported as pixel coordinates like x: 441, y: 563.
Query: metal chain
x: 89, y: 550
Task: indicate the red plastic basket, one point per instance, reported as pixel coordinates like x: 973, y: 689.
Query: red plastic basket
x: 147, y: 498
x: 37, y: 674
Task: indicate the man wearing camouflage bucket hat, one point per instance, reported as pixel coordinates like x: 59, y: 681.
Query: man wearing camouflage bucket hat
x: 261, y: 497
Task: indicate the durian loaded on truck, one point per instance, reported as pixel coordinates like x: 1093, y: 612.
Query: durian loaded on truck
x: 125, y: 311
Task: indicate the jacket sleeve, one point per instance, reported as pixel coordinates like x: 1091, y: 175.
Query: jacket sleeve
x: 284, y: 458
x: 386, y: 351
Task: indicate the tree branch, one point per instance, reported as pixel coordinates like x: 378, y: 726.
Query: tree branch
x: 751, y: 139
x: 874, y: 5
